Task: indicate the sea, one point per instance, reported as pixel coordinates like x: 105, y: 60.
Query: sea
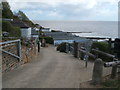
x: 106, y: 29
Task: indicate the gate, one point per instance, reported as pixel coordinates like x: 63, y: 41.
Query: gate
x: 11, y: 54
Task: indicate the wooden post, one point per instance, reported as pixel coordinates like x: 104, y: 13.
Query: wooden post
x: 67, y: 48
x: 86, y: 61
x: 114, y: 71
x: 75, y: 49
x: 38, y: 46
x: 96, y: 53
x: 110, y: 42
x: 97, y: 72
x: 78, y: 56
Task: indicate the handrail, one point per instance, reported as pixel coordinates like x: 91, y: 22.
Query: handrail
x: 90, y: 54
x: 10, y: 53
x: 12, y: 41
x: 9, y: 43
x: 110, y: 64
x: 106, y: 54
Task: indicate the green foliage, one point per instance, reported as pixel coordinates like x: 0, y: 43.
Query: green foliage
x: 62, y: 47
x: 48, y: 39
x: 23, y: 16
x: 16, y: 18
x: 25, y: 19
x: 0, y: 10
x: 13, y: 31
x: 112, y: 83
x: 102, y: 46
x: 6, y: 12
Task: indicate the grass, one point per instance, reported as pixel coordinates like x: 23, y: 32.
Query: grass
x: 112, y: 83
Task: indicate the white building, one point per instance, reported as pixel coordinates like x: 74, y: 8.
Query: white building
x: 46, y: 30
x: 25, y: 29
x: 26, y: 32
x: 35, y: 32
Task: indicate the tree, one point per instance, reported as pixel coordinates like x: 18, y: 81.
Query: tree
x: 6, y: 12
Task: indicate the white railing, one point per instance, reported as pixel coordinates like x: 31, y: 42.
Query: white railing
x: 9, y: 43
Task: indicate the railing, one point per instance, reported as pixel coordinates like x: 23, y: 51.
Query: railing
x: 11, y: 43
x: 86, y: 52
x: 79, y: 49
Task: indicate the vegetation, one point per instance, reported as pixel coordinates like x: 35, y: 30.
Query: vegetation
x: 48, y: 39
x: 25, y: 19
x: 102, y: 46
x: 0, y: 10
x: 62, y: 47
x: 22, y: 16
x: 7, y: 26
x: 13, y: 31
x: 112, y: 83
x: 6, y: 12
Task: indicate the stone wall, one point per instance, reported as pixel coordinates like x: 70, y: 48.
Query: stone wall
x: 28, y: 54
x: 9, y: 62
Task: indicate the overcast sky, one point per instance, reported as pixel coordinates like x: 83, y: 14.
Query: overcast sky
x: 87, y: 10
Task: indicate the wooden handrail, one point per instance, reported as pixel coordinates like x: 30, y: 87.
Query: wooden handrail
x: 103, y: 53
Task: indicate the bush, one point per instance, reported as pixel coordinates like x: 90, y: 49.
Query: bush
x: 48, y: 39
x: 62, y: 47
x: 13, y: 31
x: 102, y: 46
x: 112, y: 83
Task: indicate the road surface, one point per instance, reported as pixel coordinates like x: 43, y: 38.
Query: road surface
x: 50, y: 69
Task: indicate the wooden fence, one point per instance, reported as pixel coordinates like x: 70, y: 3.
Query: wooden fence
x: 82, y: 51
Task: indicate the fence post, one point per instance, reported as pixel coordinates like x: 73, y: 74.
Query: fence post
x: 97, y: 72
x: 114, y: 71
x: 67, y: 48
x: 75, y: 49
x: 19, y: 49
x: 38, y: 46
x: 78, y: 51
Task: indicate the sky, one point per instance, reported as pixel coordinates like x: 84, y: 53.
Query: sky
x: 80, y: 10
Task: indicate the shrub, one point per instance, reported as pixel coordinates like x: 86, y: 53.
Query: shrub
x: 48, y: 39
x: 62, y: 47
x: 102, y: 46
x: 13, y: 31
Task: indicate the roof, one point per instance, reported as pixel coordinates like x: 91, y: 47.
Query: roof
x: 64, y: 36
x: 19, y: 23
